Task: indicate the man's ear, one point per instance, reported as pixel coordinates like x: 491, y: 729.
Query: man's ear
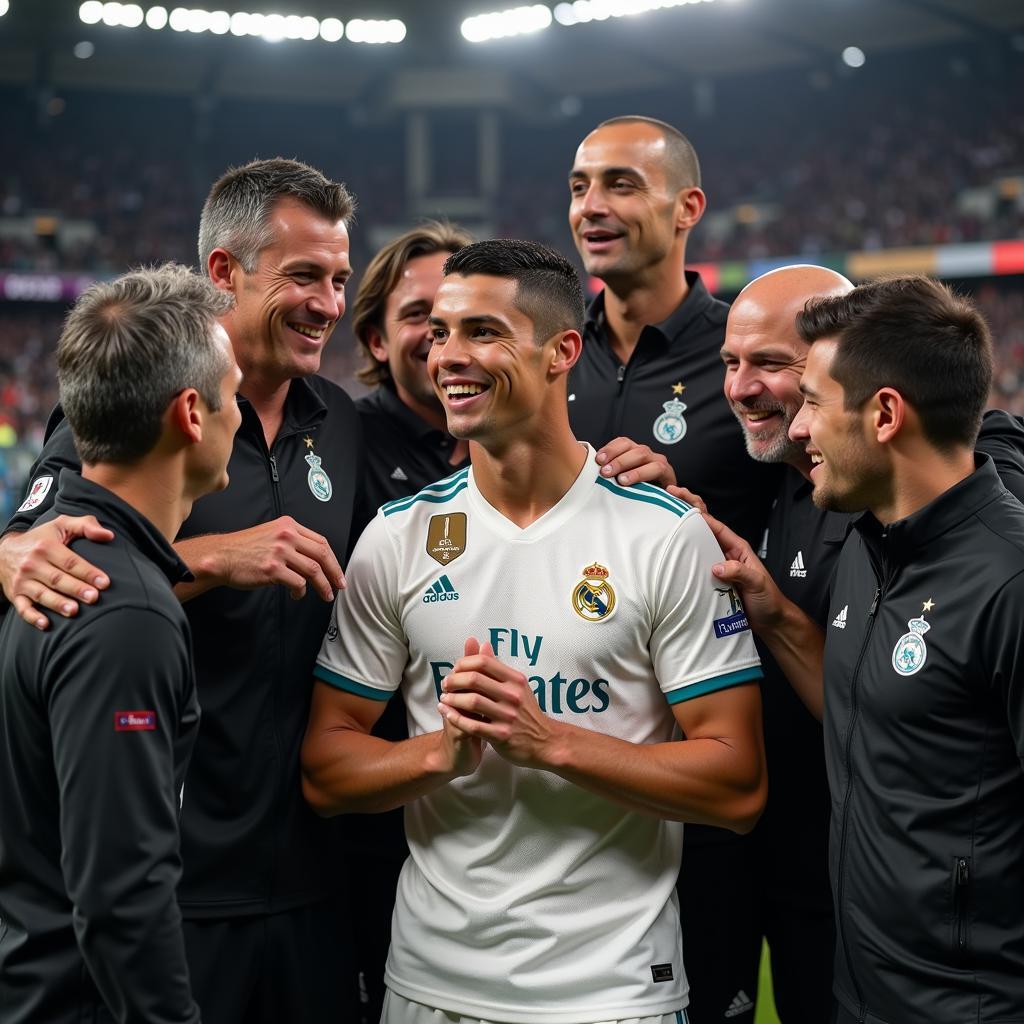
x: 889, y: 413
x: 187, y: 415
x: 377, y: 344
x: 221, y: 265
x: 566, y: 352
x: 690, y: 206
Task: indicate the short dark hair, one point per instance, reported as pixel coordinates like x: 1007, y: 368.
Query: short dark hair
x: 381, y: 276
x: 127, y: 348
x: 236, y: 214
x: 548, y: 288
x: 682, y: 165
x: 914, y: 334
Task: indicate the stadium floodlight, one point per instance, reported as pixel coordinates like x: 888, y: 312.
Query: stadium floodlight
x: 360, y: 30
x: 91, y: 12
x: 273, y: 28
x: 582, y: 11
x: 83, y: 50
x: 156, y: 17
x: 178, y: 19
x: 515, y: 21
x: 5, y: 6
x: 853, y: 57
x: 310, y: 28
x: 331, y: 30
x: 131, y: 15
x: 220, y: 23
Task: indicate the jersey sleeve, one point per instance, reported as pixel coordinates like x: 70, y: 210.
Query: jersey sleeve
x: 58, y: 453
x: 115, y: 694
x: 700, y: 640
x: 366, y: 650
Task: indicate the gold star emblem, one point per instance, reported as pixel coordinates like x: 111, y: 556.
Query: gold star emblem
x: 928, y: 605
x: 678, y: 388
x: 309, y: 442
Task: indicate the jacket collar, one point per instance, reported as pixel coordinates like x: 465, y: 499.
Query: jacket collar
x: 939, y: 516
x: 77, y: 496
x: 698, y: 300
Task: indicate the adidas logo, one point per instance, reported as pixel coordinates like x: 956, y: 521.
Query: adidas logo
x: 797, y: 568
x: 440, y: 590
x: 741, y: 1004
x: 398, y: 474
x: 840, y: 620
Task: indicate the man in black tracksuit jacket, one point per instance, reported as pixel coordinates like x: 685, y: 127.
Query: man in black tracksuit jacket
x: 265, y: 937
x: 98, y: 714
x: 923, y: 691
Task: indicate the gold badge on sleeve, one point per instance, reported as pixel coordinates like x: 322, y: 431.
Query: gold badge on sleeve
x: 446, y: 537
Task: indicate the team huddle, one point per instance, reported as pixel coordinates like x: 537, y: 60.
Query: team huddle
x: 449, y: 782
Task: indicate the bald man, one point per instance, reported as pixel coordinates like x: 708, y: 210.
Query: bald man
x: 778, y: 886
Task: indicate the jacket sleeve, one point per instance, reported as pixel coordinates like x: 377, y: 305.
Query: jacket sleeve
x: 119, y: 805
x: 1002, y: 653
x: 58, y: 453
x: 1002, y: 437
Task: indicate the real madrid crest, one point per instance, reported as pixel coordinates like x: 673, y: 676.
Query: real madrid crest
x: 593, y: 598
x: 910, y: 652
x: 317, y: 478
x: 670, y: 427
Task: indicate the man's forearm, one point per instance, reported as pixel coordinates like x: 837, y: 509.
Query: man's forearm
x: 798, y: 645
x: 708, y: 781
x: 348, y: 771
x: 203, y: 556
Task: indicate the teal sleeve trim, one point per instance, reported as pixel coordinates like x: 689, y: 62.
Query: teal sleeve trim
x: 349, y: 685
x: 435, y: 498
x: 706, y: 686
x: 667, y: 502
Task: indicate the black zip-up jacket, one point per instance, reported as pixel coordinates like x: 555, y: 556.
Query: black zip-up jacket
x: 669, y: 396
x: 97, y: 718
x: 250, y: 844
x: 924, y: 740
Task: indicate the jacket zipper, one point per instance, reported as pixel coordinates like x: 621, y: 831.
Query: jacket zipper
x: 854, y: 711
x: 961, y: 878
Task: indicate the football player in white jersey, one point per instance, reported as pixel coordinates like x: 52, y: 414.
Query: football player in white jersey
x: 554, y: 635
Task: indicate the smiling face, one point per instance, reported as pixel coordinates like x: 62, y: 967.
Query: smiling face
x: 763, y: 363
x: 848, y: 471
x: 623, y: 211
x: 487, y: 368
x: 286, y: 310
x: 405, y: 339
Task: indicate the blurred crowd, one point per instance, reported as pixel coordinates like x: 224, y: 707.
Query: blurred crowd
x: 925, y: 155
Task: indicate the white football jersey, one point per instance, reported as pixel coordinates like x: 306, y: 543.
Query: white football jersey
x: 526, y: 897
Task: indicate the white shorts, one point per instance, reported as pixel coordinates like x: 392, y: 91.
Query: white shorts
x: 399, y: 1010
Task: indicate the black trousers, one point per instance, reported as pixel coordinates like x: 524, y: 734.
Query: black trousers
x: 295, y: 966
x: 735, y: 892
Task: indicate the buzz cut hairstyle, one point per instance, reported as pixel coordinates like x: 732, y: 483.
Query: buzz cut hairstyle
x: 236, y: 214
x: 682, y: 165
x: 127, y: 348
x: 381, y: 277
x: 916, y: 335
x: 548, y: 289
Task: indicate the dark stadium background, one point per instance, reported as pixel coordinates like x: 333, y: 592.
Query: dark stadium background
x: 912, y: 161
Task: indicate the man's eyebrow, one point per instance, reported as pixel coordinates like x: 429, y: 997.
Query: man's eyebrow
x: 408, y: 307
x: 807, y: 391
x: 608, y: 172
x: 472, y: 321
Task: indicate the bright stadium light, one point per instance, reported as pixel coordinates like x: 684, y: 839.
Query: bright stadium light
x: 178, y: 19
x: 853, y: 57
x: 331, y: 30
x: 220, y: 22
x: 91, y: 12
x: 310, y: 28
x: 515, y: 21
x: 5, y: 6
x: 582, y: 11
x: 156, y: 17
x: 375, y: 32
x: 131, y: 15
